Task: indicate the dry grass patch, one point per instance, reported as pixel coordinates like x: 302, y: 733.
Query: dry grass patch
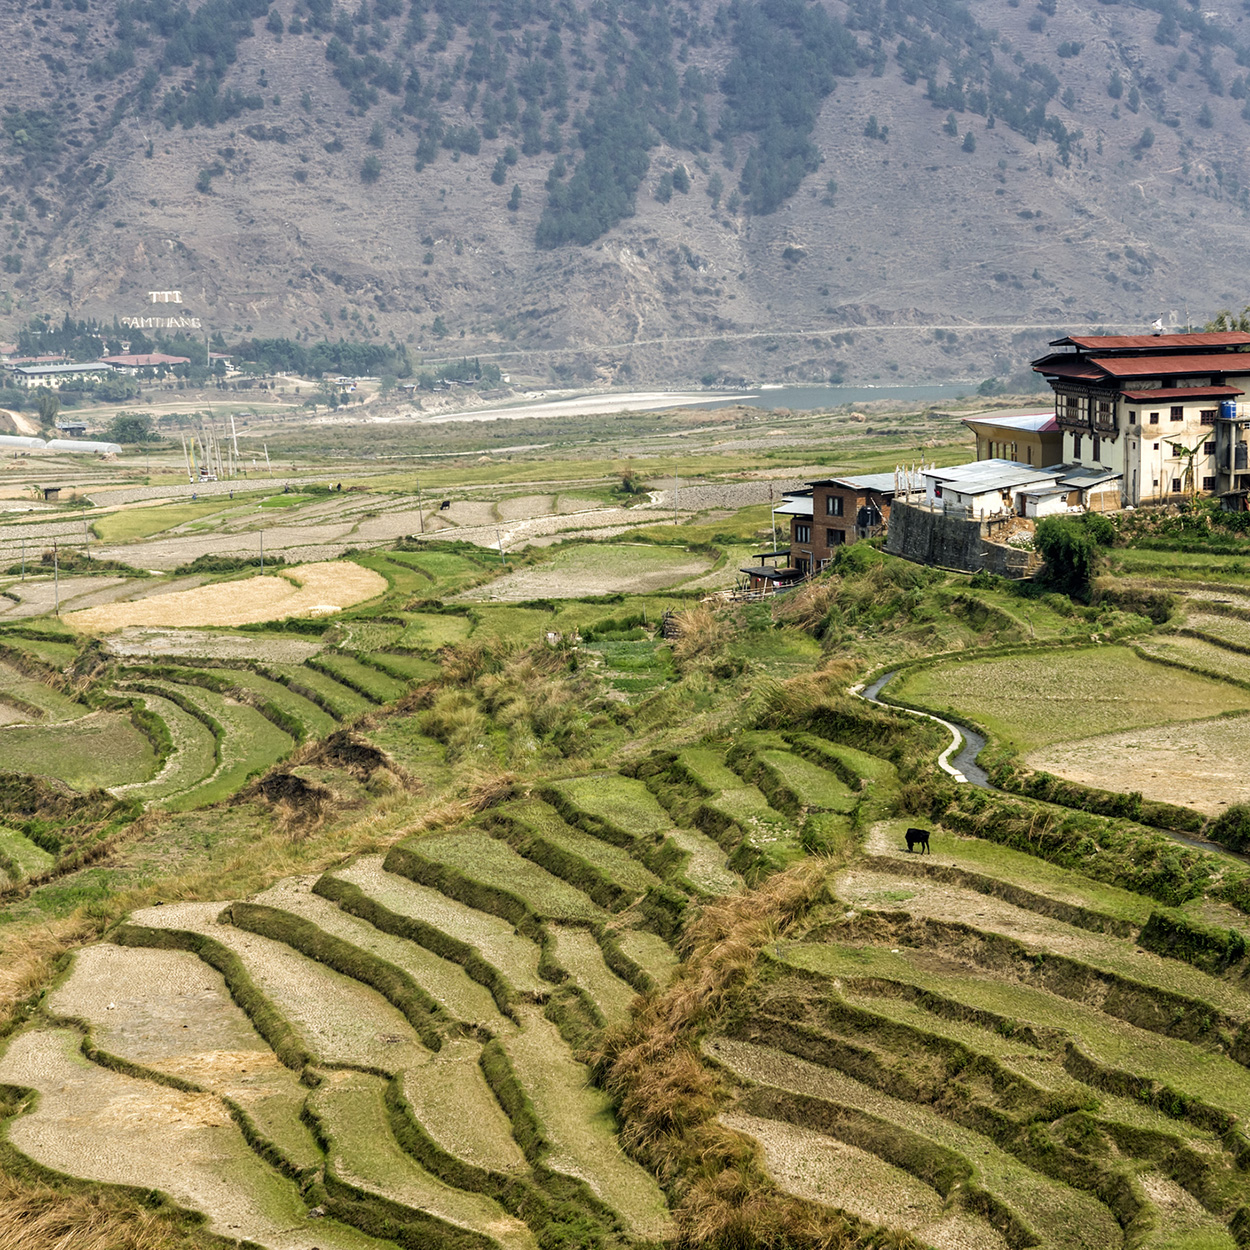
x: 305, y: 590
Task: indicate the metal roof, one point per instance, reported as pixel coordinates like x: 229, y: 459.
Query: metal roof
x: 880, y: 483
x: 79, y: 446
x: 795, y: 507
x: 1183, y: 392
x: 1153, y: 342
x: 41, y: 370
x: 1038, y: 423
x: 980, y: 476
x: 768, y: 573
x: 1068, y: 366
x: 1153, y: 366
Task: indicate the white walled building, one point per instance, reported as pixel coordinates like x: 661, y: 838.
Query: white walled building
x: 1160, y: 411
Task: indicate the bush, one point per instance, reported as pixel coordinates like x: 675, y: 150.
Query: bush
x: 1232, y: 827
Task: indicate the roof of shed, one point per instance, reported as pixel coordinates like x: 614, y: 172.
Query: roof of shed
x: 1153, y: 342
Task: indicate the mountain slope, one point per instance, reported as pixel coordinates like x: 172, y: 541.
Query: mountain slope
x: 371, y: 169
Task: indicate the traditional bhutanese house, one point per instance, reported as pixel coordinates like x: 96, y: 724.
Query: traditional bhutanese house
x: 1161, y: 411
x: 1034, y: 439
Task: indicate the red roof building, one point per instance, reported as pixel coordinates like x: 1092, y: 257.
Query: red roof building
x: 149, y: 360
x: 1161, y: 410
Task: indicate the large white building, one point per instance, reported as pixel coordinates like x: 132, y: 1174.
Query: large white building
x: 1161, y: 411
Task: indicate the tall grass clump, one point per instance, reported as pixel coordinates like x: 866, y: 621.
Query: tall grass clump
x: 722, y: 1196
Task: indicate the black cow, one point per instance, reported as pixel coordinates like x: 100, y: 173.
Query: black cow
x: 917, y: 837
x: 442, y: 507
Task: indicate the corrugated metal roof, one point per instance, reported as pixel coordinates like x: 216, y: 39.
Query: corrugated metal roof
x: 1183, y: 392
x: 1069, y: 367
x: 42, y: 370
x: 1038, y: 423
x: 1156, y: 342
x: 881, y: 483
x: 794, y: 507
x: 985, y: 475
x: 1153, y: 366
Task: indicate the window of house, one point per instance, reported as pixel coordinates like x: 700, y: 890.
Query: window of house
x: 1097, y: 447
x: 1208, y: 483
x: 1208, y: 449
x: 802, y: 533
x: 833, y: 505
x: 1176, y: 484
x: 1156, y: 483
x: 834, y: 538
x: 1178, y: 412
x: 1104, y: 410
x: 937, y: 492
x: 1207, y: 416
x: 1132, y: 417
x: 1076, y: 446
x: 1156, y: 449
x: 1154, y: 418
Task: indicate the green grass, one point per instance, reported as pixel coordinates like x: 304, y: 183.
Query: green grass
x: 1198, y: 654
x: 1183, y: 565
x: 580, y: 1125
x: 483, y: 861
x: 50, y: 702
x: 316, y: 721
x: 609, y: 801
x: 377, y: 686
x: 285, y: 501
x: 1031, y: 700
x: 250, y: 745
x: 442, y: 572
x: 30, y: 859
x: 651, y: 953
x: 515, y: 624
x: 1032, y: 873
x: 814, y: 787
x: 428, y: 631
x: 580, y: 955
x: 636, y: 668
x: 367, y: 635
x: 344, y: 703
x: 537, y: 820
x: 194, y: 756
x: 131, y: 524
x: 101, y: 749
x: 405, y: 668
x: 57, y: 654
x: 1199, y: 1073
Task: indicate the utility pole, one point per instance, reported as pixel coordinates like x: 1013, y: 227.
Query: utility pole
x: 56, y: 577
x: 23, y: 559
x: 420, y: 507
x: 86, y: 540
x: 268, y: 466
x: 674, y: 494
x: 262, y: 553
x: 499, y: 540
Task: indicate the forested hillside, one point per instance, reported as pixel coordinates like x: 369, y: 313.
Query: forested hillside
x: 550, y: 174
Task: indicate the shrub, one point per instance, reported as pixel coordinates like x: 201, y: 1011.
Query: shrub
x: 1232, y: 827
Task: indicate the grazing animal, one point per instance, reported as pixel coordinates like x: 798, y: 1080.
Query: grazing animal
x: 442, y: 507
x: 917, y: 837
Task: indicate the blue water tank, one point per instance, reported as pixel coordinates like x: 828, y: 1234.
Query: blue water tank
x: 1228, y: 409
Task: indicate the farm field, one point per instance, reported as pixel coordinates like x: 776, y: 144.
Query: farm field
x: 483, y: 913
x: 1030, y: 701
x: 309, y: 589
x: 599, y: 569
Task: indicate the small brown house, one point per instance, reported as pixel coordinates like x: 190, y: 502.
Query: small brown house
x: 840, y: 510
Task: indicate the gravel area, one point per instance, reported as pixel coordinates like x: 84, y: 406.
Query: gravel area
x: 38, y: 597
x: 144, y: 643
x: 594, y: 570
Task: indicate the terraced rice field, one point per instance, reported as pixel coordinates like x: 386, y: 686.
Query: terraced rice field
x: 377, y: 687
x: 982, y: 1015
x: 338, y: 700
x: 972, y: 1046
x: 1032, y: 700
x: 98, y: 749
x: 22, y: 858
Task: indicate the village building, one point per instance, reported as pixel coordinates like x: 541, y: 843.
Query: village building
x: 1160, y: 412
x: 1034, y: 439
x: 834, y: 512
x: 56, y: 376
x: 133, y: 362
